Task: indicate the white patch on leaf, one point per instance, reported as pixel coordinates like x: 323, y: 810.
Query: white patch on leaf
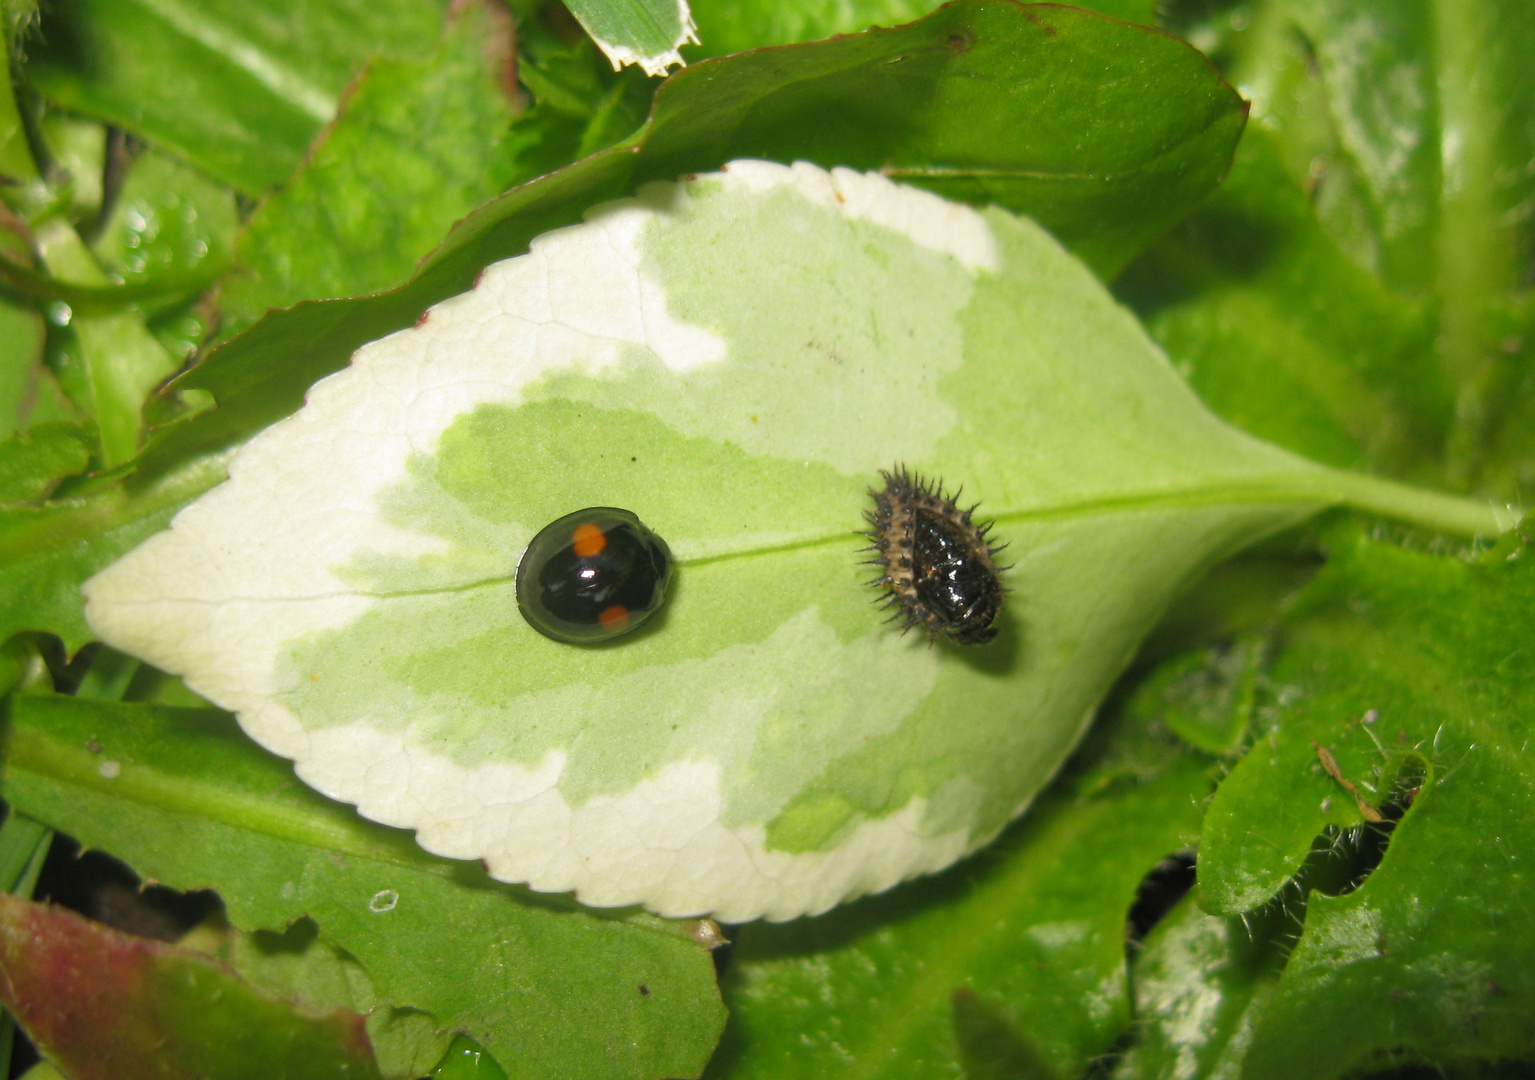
x: 660, y: 843
x: 929, y: 220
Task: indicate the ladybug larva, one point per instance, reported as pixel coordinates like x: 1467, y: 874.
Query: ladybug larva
x: 592, y: 575
x: 939, y: 570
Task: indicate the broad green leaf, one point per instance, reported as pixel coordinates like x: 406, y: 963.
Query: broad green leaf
x: 729, y: 26
x: 768, y: 747
x: 987, y: 101
x: 435, y: 127
x: 1016, y: 958
x: 186, y: 800
x: 46, y: 551
x: 1407, y: 126
x: 139, y: 1008
x: 648, y: 33
x: 264, y: 77
x: 1409, y: 669
x: 1282, y: 334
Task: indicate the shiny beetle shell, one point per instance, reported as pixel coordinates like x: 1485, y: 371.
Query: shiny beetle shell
x: 592, y: 576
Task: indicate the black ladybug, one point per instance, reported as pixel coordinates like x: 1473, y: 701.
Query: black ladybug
x: 592, y: 575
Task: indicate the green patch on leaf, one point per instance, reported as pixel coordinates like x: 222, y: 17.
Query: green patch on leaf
x: 31, y: 464
x: 168, y: 223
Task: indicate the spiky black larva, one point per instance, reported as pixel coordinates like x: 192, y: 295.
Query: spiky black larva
x: 939, y: 569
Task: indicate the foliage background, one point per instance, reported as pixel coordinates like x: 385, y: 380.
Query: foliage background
x: 1358, y: 289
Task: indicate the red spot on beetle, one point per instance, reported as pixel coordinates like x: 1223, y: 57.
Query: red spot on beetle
x: 588, y: 540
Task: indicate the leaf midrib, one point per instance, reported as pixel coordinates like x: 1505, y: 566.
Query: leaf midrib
x: 1277, y: 490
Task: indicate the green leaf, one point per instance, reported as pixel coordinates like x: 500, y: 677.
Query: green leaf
x: 1205, y: 697
x: 1200, y: 983
x: 23, y: 846
x: 140, y: 1008
x: 735, y: 758
x: 984, y: 101
x: 112, y: 362
x: 435, y: 127
x: 1284, y: 335
x: 648, y: 33
x: 29, y: 395
x: 729, y: 26
x: 298, y: 965
x: 33, y: 463
x: 167, y: 222
x: 47, y: 551
x: 264, y: 78
x: 1406, y: 126
x: 16, y: 161
x: 187, y: 800
x: 1012, y: 963
x: 467, y: 1060
x: 1409, y: 670
x: 76, y: 152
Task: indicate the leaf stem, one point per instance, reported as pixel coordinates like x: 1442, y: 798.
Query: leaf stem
x: 1413, y: 505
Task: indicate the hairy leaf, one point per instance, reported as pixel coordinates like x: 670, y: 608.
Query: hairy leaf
x: 1411, y: 672
x: 1405, y: 133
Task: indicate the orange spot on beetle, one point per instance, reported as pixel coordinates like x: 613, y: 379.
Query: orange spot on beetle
x: 588, y: 540
x: 614, y: 618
